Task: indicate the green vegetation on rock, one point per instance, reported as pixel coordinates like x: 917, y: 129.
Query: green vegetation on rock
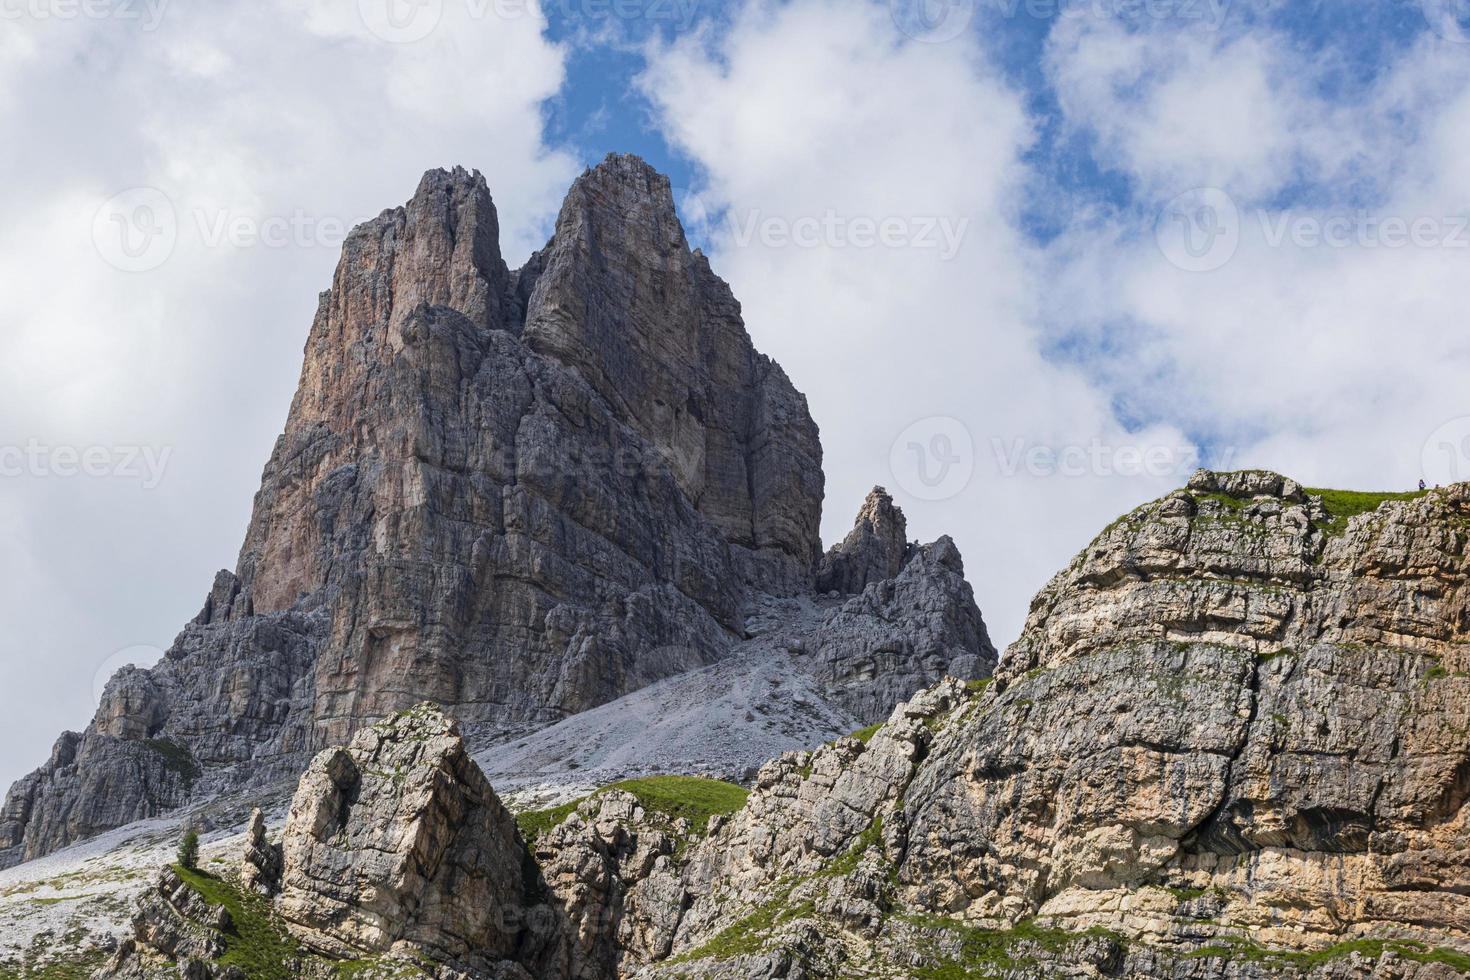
x: 534, y: 823
x: 992, y: 952
x: 750, y: 934
x: 694, y: 798
x: 1234, y: 948
x: 176, y: 758
x: 77, y: 967
x: 256, y: 942
x: 1343, y: 505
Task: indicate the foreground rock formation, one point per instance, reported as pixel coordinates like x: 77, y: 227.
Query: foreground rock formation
x: 1237, y: 720
x: 518, y: 493
x: 1232, y: 742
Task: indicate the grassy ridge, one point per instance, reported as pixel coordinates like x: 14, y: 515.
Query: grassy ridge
x: 694, y: 798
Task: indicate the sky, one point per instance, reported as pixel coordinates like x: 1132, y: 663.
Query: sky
x: 1032, y: 261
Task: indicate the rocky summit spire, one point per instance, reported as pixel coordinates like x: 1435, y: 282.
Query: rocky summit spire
x: 875, y: 549
x: 622, y: 299
x: 520, y: 494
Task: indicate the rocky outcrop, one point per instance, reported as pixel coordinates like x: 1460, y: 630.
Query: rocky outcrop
x: 611, y: 869
x: 902, y: 634
x: 520, y: 494
x: 1247, y: 762
x: 620, y: 298
x: 875, y: 550
x: 261, y: 864
x: 1236, y: 722
x: 397, y: 844
x: 173, y: 923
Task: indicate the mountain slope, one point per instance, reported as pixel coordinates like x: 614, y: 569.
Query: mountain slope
x: 520, y: 494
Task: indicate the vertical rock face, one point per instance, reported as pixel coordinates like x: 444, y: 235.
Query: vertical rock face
x: 521, y: 494
x: 621, y: 298
x: 486, y: 526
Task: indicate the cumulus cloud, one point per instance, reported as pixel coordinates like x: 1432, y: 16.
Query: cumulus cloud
x: 813, y: 121
x: 245, y: 139
x: 1305, y: 310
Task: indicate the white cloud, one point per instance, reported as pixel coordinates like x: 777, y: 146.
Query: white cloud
x: 1330, y: 345
x: 810, y: 116
x: 261, y: 115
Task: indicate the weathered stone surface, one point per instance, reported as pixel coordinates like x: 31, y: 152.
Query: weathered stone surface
x: 261, y: 863
x: 610, y: 869
x: 902, y: 634
x: 622, y: 299
x: 1235, y: 715
x: 172, y: 922
x: 875, y: 550
x: 397, y: 844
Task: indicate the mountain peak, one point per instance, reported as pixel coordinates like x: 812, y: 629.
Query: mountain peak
x: 520, y: 496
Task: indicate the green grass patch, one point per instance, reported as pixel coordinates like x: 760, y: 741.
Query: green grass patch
x: 1236, y: 948
x: 865, y: 735
x: 70, y: 968
x: 534, y: 823
x: 694, y: 798
x: 255, y: 942
x: 847, y: 862
x: 1232, y: 504
x: 992, y: 952
x: 976, y: 686
x: 1270, y: 655
x: 751, y: 933
x: 1343, y: 505
x: 378, y: 968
